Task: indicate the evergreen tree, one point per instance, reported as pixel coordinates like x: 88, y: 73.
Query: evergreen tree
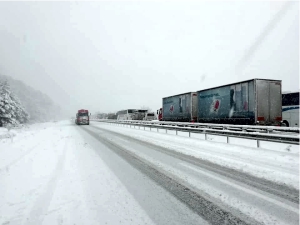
x: 38, y: 105
x: 11, y: 110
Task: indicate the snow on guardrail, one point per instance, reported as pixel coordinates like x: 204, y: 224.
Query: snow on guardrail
x: 213, y: 126
x: 258, y: 133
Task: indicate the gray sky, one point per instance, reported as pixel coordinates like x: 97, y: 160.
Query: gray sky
x: 110, y: 56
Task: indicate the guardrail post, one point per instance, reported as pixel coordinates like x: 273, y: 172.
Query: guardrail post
x: 205, y: 136
x: 176, y: 132
x: 144, y: 128
x: 189, y: 134
x: 166, y: 131
x: 150, y: 128
x: 227, y: 139
x: 258, y: 143
x: 157, y: 129
x: 270, y: 131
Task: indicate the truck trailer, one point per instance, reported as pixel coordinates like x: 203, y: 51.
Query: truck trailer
x: 253, y: 102
x: 182, y: 107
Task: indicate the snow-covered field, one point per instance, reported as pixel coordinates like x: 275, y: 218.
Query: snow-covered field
x: 46, y: 175
x: 273, y: 161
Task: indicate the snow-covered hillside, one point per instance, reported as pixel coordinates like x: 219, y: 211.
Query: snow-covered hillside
x: 38, y: 105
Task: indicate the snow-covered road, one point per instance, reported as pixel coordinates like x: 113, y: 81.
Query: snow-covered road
x: 60, y: 173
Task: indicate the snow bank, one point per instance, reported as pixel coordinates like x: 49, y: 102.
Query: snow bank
x: 3, y: 132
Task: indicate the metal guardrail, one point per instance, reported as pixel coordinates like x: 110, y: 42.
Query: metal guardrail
x: 247, y: 128
x: 259, y: 133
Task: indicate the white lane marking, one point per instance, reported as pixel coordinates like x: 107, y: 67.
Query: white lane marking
x: 274, y: 201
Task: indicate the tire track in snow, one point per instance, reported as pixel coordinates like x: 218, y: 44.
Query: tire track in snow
x: 5, y: 168
x: 197, y: 203
x: 41, y: 205
x: 280, y: 190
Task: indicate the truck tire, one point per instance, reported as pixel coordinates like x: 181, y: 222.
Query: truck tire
x: 285, y: 123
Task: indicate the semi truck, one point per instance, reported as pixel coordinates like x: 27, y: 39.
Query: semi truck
x: 182, y: 107
x: 82, y: 117
x: 139, y: 114
x: 149, y: 116
x: 253, y: 102
x: 159, y: 114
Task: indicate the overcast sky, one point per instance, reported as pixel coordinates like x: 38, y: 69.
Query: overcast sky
x: 108, y: 56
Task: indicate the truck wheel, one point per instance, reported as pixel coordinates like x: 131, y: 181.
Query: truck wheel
x: 285, y: 123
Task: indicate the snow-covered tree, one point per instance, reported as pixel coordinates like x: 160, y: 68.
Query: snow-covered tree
x: 39, y: 106
x: 11, y: 110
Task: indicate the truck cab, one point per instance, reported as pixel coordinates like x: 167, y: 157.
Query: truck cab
x: 159, y: 114
x: 82, y: 117
x: 149, y: 116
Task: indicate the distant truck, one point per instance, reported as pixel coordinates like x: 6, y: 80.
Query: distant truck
x: 139, y: 114
x: 182, y: 107
x: 149, y: 116
x: 112, y: 116
x: 82, y: 117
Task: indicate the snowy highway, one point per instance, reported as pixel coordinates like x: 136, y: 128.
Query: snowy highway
x: 61, y: 173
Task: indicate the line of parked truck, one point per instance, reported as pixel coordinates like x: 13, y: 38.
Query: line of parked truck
x: 250, y: 102
x: 256, y: 101
x: 135, y: 114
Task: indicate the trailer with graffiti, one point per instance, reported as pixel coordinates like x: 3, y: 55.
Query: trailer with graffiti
x: 256, y: 101
x: 182, y: 107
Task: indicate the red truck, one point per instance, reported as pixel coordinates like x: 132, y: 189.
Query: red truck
x: 82, y: 117
x: 159, y: 114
